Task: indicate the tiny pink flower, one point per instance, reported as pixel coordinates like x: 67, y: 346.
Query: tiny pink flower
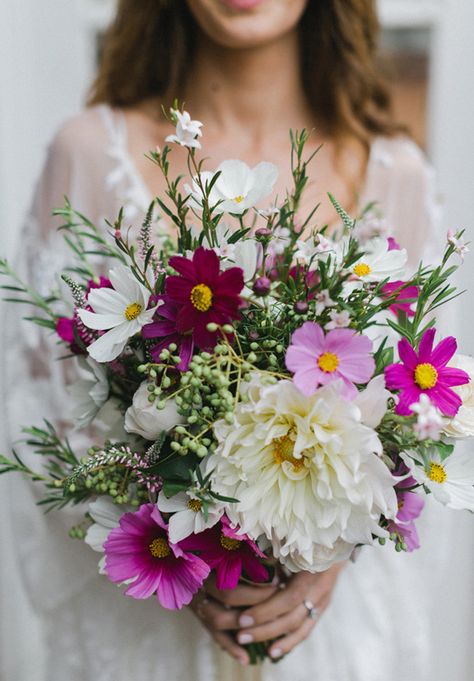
x: 429, y: 422
x: 339, y: 320
x: 459, y: 246
x: 317, y: 359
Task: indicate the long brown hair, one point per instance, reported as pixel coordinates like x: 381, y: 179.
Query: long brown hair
x: 148, y: 46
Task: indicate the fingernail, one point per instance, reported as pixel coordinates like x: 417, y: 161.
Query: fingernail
x: 275, y: 580
x: 276, y: 652
x: 245, y: 638
x: 243, y: 661
x: 246, y: 621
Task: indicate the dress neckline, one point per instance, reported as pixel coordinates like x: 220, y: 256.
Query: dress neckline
x: 141, y: 195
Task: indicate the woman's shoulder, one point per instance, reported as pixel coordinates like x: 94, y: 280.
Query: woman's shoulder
x: 399, y: 154
x: 89, y: 133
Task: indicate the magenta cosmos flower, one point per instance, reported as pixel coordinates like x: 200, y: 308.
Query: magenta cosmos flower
x: 317, y: 359
x: 426, y: 372
x: 203, y: 294
x: 405, y: 297
x: 230, y: 554
x: 165, y: 328
x: 139, y: 550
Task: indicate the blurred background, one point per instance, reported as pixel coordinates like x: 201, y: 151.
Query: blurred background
x: 48, y: 51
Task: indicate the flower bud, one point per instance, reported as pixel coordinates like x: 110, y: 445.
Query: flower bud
x: 262, y: 286
x: 301, y: 307
x: 263, y: 233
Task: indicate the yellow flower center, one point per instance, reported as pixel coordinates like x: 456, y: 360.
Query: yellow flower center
x: 201, y: 297
x: 159, y: 548
x: 328, y: 362
x: 229, y: 544
x: 195, y: 505
x: 426, y: 376
x: 362, y: 269
x: 239, y: 199
x: 437, y: 473
x: 132, y: 311
x: 283, y: 448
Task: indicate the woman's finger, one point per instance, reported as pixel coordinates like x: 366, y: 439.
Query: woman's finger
x: 282, y: 602
x: 228, y: 644
x: 286, y: 644
x: 279, y: 627
x: 215, y: 616
x: 242, y: 596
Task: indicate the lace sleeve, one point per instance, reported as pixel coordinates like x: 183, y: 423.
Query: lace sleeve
x: 34, y: 384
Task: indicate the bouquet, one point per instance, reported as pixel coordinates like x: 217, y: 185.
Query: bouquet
x: 271, y: 394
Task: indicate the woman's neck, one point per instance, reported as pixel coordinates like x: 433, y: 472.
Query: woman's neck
x: 252, y: 89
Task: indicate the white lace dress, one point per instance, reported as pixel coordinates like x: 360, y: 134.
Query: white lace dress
x: 378, y: 627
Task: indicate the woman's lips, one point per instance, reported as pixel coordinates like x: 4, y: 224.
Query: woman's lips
x: 242, y: 4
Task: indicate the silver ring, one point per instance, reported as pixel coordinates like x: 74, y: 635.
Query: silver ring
x: 313, y: 611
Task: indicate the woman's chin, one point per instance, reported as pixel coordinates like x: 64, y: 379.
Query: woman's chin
x: 243, y: 24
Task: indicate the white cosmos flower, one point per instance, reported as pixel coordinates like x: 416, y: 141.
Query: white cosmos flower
x: 187, y: 131
x: 106, y: 516
x: 89, y: 393
x: 188, y: 517
x: 462, y: 425
x: 145, y: 419
x: 451, y: 480
x: 372, y: 402
x: 122, y: 311
x: 237, y: 188
x: 379, y: 263
x: 306, y: 472
x: 243, y: 253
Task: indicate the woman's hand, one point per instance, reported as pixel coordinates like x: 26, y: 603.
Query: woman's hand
x: 220, y: 610
x: 284, y: 615
x: 271, y: 611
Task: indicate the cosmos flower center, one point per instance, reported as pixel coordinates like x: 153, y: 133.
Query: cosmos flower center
x: 437, y: 473
x: 159, y: 548
x: 426, y: 376
x: 362, y: 269
x: 328, y: 362
x: 283, y: 448
x: 201, y: 297
x: 195, y: 505
x: 132, y: 311
x: 239, y: 199
x: 229, y: 544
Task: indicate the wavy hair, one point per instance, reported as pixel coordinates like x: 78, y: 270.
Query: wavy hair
x: 150, y: 43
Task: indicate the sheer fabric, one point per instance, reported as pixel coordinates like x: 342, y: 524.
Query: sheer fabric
x: 378, y: 625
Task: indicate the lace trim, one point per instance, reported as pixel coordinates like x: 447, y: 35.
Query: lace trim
x: 124, y: 180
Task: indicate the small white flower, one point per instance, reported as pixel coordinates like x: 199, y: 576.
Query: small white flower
x: 269, y: 212
x: 306, y: 250
x: 237, y: 188
x: 429, y: 422
x: 122, y: 309
x: 280, y: 240
x: 372, y: 401
x: 462, y: 425
x: 145, y: 419
x: 379, y: 263
x: 106, y: 516
x: 323, y: 300
x: 89, y: 393
x: 187, y: 131
x: 188, y: 516
x: 460, y: 246
x: 339, y: 320
x: 324, y: 245
x: 369, y: 226
x: 451, y: 480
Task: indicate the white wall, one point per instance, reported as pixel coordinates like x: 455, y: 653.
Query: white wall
x: 46, y: 59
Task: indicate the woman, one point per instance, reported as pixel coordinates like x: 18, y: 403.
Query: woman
x: 250, y: 69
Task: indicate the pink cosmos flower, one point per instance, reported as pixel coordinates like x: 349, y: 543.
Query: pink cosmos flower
x: 317, y: 359
x: 230, y: 554
x: 426, y: 372
x: 139, y: 550
x: 203, y: 294
x: 410, y: 505
x: 404, y: 299
x: 165, y: 328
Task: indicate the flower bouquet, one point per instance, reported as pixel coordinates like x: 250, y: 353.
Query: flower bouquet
x: 272, y: 392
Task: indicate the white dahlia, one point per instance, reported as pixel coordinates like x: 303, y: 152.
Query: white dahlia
x: 306, y: 472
